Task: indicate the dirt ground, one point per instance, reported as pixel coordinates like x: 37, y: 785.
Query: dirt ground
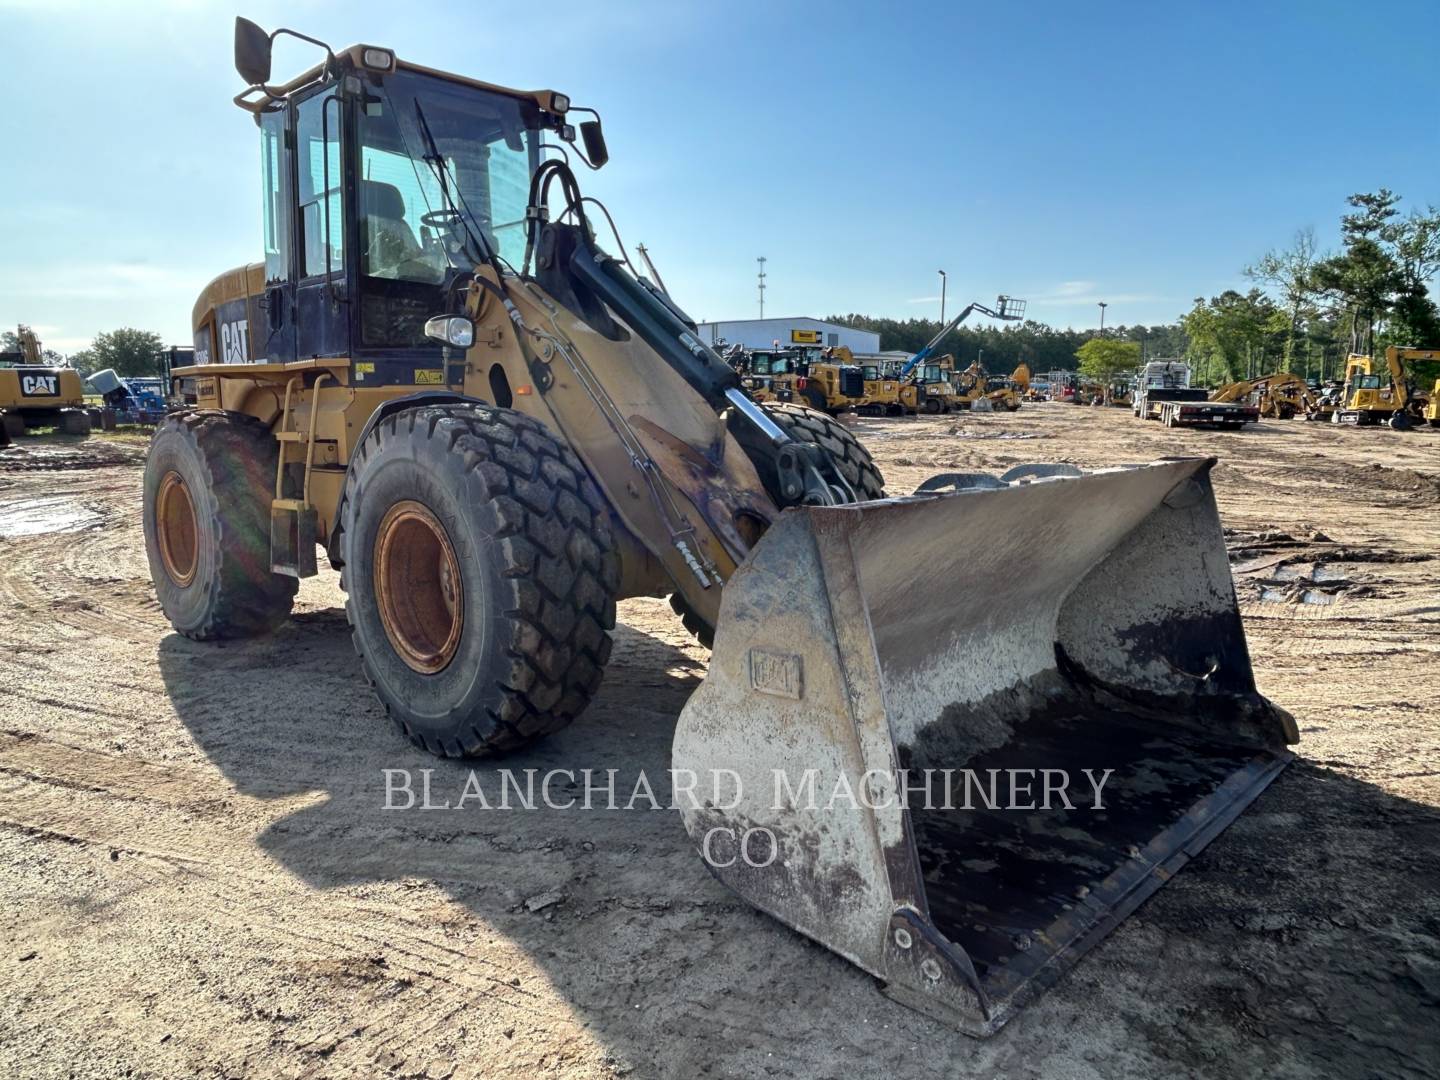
x: 199, y: 880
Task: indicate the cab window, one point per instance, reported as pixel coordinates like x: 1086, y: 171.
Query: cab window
x: 317, y: 140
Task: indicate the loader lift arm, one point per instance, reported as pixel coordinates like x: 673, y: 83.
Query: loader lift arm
x: 807, y: 474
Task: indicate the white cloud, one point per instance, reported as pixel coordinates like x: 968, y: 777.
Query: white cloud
x: 1083, y: 293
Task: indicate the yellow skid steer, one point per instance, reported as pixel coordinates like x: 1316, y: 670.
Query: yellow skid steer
x: 495, y: 430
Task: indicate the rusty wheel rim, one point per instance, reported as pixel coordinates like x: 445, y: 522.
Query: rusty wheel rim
x: 418, y: 587
x: 176, y: 529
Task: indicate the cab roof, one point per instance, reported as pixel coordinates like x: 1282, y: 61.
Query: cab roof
x: 259, y: 99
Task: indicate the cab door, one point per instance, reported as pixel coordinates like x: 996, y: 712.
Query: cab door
x: 321, y: 310
x: 274, y: 329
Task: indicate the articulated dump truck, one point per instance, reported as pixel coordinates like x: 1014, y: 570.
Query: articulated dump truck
x: 495, y: 430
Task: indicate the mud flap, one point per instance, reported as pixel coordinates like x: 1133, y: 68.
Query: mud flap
x: 883, y: 674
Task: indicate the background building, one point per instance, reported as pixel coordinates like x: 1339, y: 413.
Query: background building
x: 763, y: 333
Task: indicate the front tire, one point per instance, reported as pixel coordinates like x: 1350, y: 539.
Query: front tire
x: 480, y: 573
x: 207, y: 491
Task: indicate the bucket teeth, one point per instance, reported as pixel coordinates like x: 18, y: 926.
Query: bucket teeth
x: 897, y: 683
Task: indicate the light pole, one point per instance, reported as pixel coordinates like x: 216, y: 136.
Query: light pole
x: 761, y: 260
x: 1103, y: 306
x: 942, y: 297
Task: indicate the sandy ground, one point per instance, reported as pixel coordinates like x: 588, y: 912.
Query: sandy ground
x: 198, y: 878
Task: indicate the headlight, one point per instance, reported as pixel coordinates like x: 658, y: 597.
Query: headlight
x: 373, y: 59
x: 454, y: 330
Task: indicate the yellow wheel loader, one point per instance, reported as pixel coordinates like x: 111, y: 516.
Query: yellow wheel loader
x: 885, y: 392
x: 496, y: 430
x: 34, y: 394
x: 804, y: 378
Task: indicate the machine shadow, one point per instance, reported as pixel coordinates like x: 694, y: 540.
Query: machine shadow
x: 669, y: 970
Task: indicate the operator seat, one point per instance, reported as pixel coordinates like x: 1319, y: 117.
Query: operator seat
x: 391, y: 250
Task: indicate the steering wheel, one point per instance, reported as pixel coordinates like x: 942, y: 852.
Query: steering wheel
x: 446, y: 218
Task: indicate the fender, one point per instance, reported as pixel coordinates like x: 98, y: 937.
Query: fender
x: 389, y: 408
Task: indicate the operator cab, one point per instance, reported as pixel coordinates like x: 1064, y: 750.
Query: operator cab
x: 384, y: 186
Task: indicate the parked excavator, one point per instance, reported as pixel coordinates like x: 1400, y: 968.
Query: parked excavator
x: 1372, y: 398
x: 1279, y: 396
x: 496, y: 429
x: 36, y: 394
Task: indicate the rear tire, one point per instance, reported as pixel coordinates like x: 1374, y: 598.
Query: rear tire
x: 851, y: 459
x: 480, y: 573
x: 207, y: 492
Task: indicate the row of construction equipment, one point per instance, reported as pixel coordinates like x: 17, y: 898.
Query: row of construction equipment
x: 36, y: 395
x: 1369, y: 394
x: 832, y: 380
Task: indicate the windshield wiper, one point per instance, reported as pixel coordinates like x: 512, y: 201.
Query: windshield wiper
x: 479, y: 250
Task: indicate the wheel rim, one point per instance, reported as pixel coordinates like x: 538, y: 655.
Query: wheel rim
x: 176, y: 529
x: 418, y: 587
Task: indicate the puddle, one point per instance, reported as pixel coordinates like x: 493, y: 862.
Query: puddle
x: 33, y: 517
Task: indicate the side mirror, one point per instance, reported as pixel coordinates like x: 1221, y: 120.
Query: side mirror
x: 594, y: 139
x: 454, y: 330
x: 252, y: 52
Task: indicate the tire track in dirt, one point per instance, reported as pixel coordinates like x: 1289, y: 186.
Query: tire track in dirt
x: 260, y: 915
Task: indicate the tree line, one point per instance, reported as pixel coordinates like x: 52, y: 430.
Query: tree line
x: 131, y: 353
x: 1305, y: 312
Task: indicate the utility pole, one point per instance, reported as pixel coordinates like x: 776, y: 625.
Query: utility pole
x: 942, y: 297
x: 645, y: 254
x: 761, y: 276
x: 1103, y: 306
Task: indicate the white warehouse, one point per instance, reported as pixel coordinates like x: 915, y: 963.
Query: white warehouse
x: 765, y: 333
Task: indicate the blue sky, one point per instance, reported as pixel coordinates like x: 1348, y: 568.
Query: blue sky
x: 1139, y: 154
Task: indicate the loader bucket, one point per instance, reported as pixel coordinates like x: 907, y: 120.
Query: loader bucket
x: 1014, y: 634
